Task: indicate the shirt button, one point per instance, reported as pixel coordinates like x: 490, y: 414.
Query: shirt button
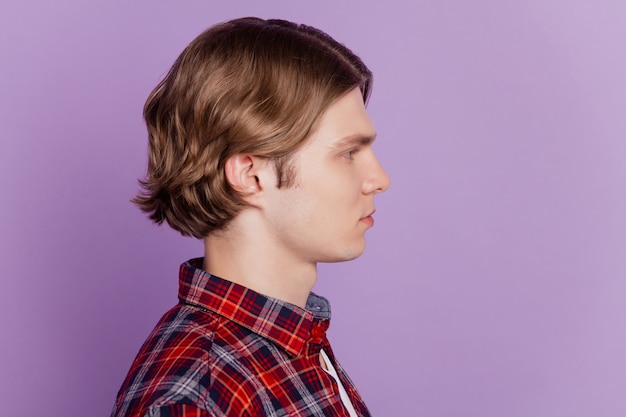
x: 318, y: 333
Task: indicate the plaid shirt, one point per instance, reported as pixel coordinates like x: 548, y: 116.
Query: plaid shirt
x: 226, y: 350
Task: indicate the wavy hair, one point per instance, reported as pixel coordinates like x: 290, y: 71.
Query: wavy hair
x: 244, y: 86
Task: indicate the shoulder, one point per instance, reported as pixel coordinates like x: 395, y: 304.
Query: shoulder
x: 173, y: 365
x: 183, y: 338
x: 197, y: 362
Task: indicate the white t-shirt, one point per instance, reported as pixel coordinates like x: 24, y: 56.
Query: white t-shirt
x: 328, y: 366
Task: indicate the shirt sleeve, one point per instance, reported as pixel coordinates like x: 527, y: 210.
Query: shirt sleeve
x: 178, y: 410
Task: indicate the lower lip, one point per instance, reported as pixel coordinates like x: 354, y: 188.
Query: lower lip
x: 369, y: 220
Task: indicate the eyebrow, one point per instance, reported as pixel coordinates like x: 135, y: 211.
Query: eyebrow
x: 355, y: 140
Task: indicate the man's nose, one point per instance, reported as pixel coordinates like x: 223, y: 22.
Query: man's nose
x: 378, y: 179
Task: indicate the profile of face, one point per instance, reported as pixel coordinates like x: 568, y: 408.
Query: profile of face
x: 323, y: 217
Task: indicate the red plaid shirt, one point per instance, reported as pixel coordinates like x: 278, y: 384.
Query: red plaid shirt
x: 226, y: 350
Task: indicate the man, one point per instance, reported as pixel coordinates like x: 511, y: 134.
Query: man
x: 261, y: 146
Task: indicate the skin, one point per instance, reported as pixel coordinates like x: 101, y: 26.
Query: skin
x: 274, y: 245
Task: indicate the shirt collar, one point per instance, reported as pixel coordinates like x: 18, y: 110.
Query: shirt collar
x: 286, y: 324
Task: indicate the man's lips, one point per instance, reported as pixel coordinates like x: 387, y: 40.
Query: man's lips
x: 369, y: 219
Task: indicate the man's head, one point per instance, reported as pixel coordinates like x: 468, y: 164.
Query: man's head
x: 248, y: 86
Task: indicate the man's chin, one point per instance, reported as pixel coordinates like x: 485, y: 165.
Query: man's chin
x: 347, y: 254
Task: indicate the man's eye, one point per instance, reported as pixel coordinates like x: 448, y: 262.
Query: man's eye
x: 350, y: 154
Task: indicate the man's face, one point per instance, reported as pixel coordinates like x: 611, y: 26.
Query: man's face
x: 324, y: 215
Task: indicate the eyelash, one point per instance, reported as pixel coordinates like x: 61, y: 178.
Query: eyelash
x: 350, y: 154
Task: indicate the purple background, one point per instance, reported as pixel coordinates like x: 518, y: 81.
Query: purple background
x: 494, y: 283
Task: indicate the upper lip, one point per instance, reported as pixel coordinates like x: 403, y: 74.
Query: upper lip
x: 370, y: 214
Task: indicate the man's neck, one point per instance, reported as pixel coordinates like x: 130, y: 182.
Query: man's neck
x: 245, y: 259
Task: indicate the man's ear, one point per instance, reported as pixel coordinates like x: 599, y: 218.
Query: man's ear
x: 247, y: 174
